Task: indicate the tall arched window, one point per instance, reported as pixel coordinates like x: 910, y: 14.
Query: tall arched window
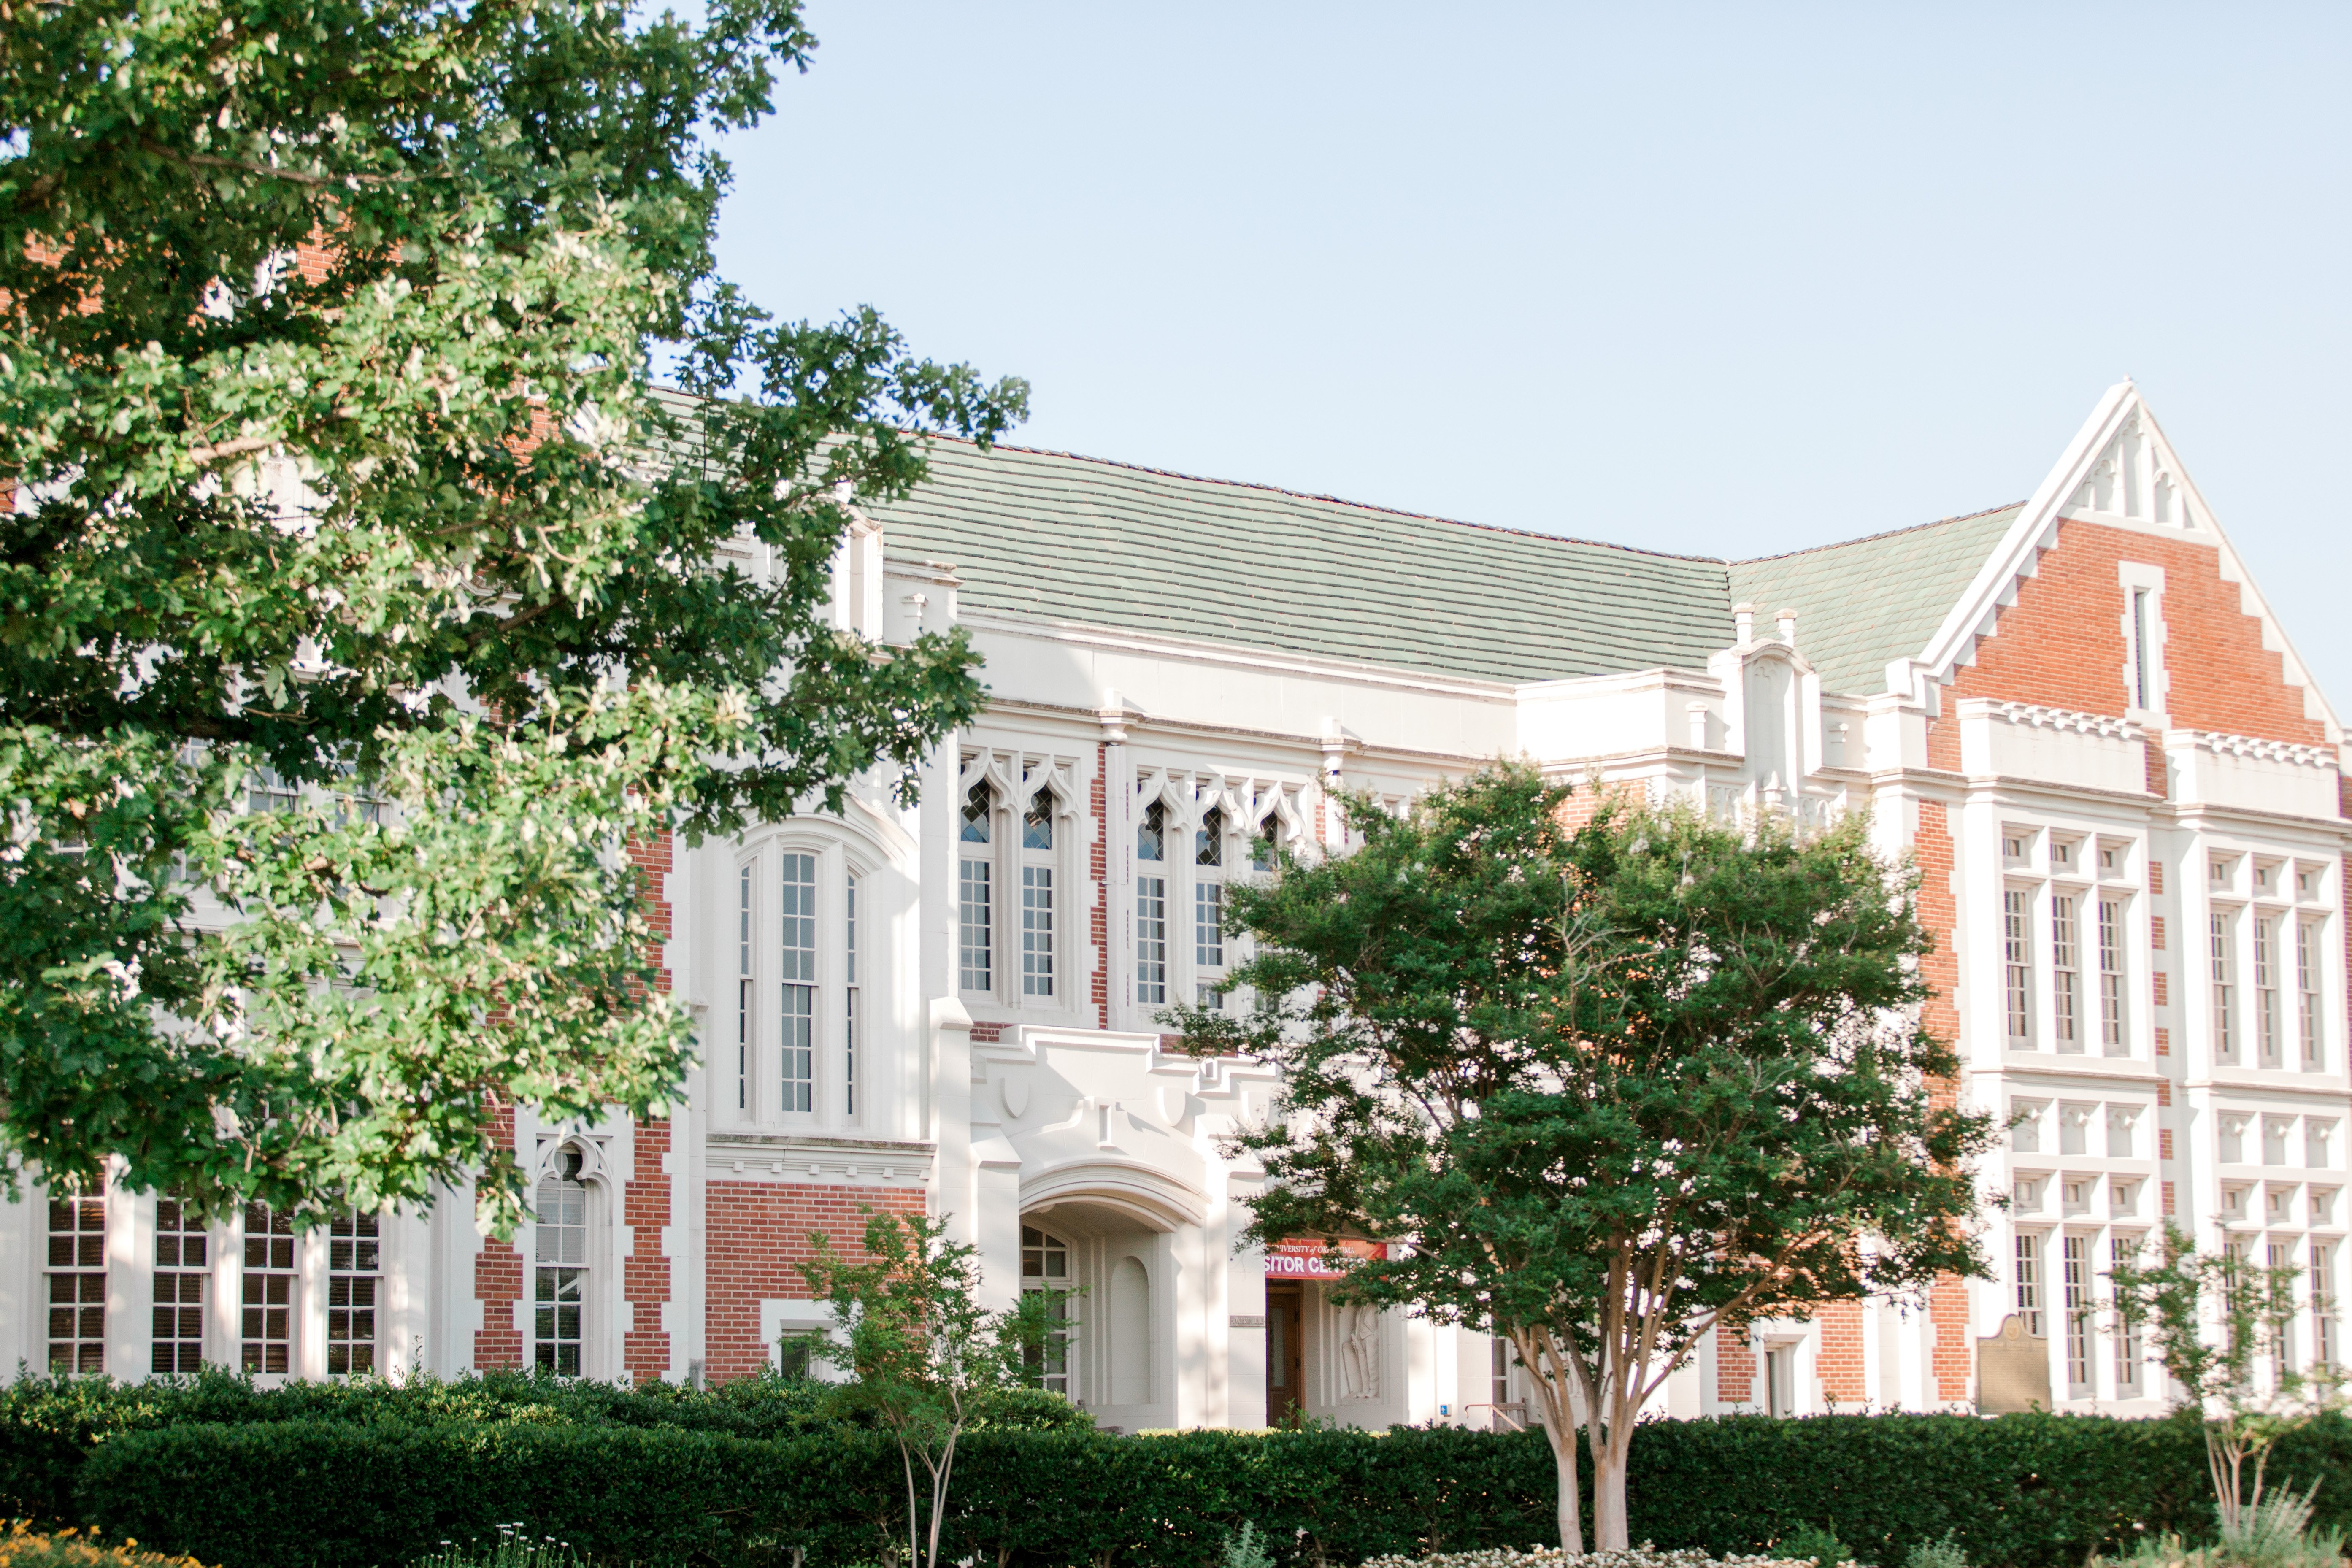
x: 1037, y: 896
x: 1151, y: 908
x: 1045, y: 1270
x: 797, y: 1069
x: 560, y: 1298
x: 1209, y: 910
x: 976, y: 895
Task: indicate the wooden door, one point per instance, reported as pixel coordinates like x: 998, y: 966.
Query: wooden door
x: 1285, y: 1359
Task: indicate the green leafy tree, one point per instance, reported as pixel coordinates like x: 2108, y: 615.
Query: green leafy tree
x: 1612, y: 1085
x: 2220, y: 1325
x: 360, y: 598
x: 928, y: 1360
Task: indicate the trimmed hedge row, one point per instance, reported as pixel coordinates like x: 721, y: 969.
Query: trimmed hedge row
x: 2020, y: 1492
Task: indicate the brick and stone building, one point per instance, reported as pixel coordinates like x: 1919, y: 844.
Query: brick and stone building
x: 2122, y: 787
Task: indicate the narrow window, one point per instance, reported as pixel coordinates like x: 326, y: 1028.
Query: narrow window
x: 2280, y: 1256
x: 1781, y: 1381
x: 743, y: 993
x: 352, y: 1262
x: 1045, y: 1271
x: 2225, y: 1042
x: 2074, y: 1260
x: 2028, y: 1280
x: 560, y: 1298
x: 2111, y: 977
x: 2065, y: 978
x: 1037, y: 897
x: 797, y: 874
x: 1151, y: 909
x: 182, y: 1260
x: 1262, y: 853
x: 2140, y: 648
x: 266, y: 1290
x: 2123, y: 1252
x: 2267, y: 996
x: 2323, y: 1309
x: 77, y: 1282
x: 2016, y: 906
x: 2307, y: 989
x: 976, y: 899
x: 1209, y: 907
x: 849, y: 997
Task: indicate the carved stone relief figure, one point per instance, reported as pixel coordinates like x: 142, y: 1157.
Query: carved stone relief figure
x: 1360, y: 1352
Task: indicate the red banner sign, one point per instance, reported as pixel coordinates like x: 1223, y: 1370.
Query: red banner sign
x: 1306, y: 1257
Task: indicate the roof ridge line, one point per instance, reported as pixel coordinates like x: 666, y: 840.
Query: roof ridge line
x: 1883, y: 533
x: 1333, y: 500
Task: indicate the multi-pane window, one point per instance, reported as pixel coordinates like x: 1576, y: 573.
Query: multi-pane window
x: 2111, y: 977
x: 76, y: 1282
x: 2225, y: 1042
x: 2267, y: 996
x: 266, y: 1292
x: 744, y: 992
x: 1209, y: 905
x: 1151, y: 908
x: 849, y: 1014
x: 559, y: 1297
x: 796, y: 877
x: 182, y: 1262
x: 2028, y: 1280
x: 2123, y: 1252
x: 2075, y: 1268
x: 2323, y: 1309
x: 1045, y: 1270
x: 354, y: 1259
x: 2306, y: 989
x: 2065, y: 975
x: 1037, y: 897
x: 1261, y: 854
x: 2017, y: 952
x: 976, y: 898
x: 2280, y: 1256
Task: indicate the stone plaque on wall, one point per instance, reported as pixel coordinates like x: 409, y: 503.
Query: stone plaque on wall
x: 2012, y: 1369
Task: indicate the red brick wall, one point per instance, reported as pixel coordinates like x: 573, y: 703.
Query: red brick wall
x: 646, y: 1272
x: 2061, y: 643
x: 1735, y: 1367
x: 757, y: 1236
x: 1839, y: 1358
x: 1951, y: 1361
x: 498, y: 1284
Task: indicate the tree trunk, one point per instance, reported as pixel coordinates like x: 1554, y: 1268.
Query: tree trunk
x: 1610, y: 1532
x: 1563, y: 1458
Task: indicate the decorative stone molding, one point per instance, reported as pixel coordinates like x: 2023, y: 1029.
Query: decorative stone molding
x: 2066, y: 719
x: 2254, y: 746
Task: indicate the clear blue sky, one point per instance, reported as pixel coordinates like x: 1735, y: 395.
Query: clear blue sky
x: 1719, y: 279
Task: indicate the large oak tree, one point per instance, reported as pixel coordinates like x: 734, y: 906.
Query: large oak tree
x: 357, y: 606
x: 1609, y: 1086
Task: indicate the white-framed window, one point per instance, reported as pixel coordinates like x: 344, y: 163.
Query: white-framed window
x: 2112, y: 1037
x: 2279, y: 1255
x: 797, y: 972
x: 853, y: 1021
x: 2143, y: 653
x: 559, y: 1276
x: 1151, y: 907
x: 1262, y: 849
x: 746, y: 990
x: 2224, y: 968
x: 266, y: 1293
x: 183, y: 1263
x: 2311, y: 1020
x: 2028, y: 1278
x: 76, y: 1282
x: 1209, y: 907
x: 2267, y: 1022
x: 1037, y: 896
x: 2323, y: 1305
x: 976, y: 894
x: 2065, y: 974
x: 2017, y: 954
x: 2123, y: 1252
x: 1045, y: 1270
x: 2074, y: 1269
x: 354, y: 1263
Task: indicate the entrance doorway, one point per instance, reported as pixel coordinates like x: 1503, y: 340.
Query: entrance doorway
x: 1286, y: 1361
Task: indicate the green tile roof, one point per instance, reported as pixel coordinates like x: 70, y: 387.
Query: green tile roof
x: 1050, y: 537
x: 1867, y: 601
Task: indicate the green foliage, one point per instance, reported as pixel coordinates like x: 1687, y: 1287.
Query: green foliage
x: 1245, y: 1550
x: 412, y: 529
x: 922, y: 1349
x: 1815, y: 1541
x: 2023, y: 1491
x: 1943, y: 1553
x: 2273, y: 1531
x: 513, y: 1547
x: 24, y: 1547
x: 1620, y: 1084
